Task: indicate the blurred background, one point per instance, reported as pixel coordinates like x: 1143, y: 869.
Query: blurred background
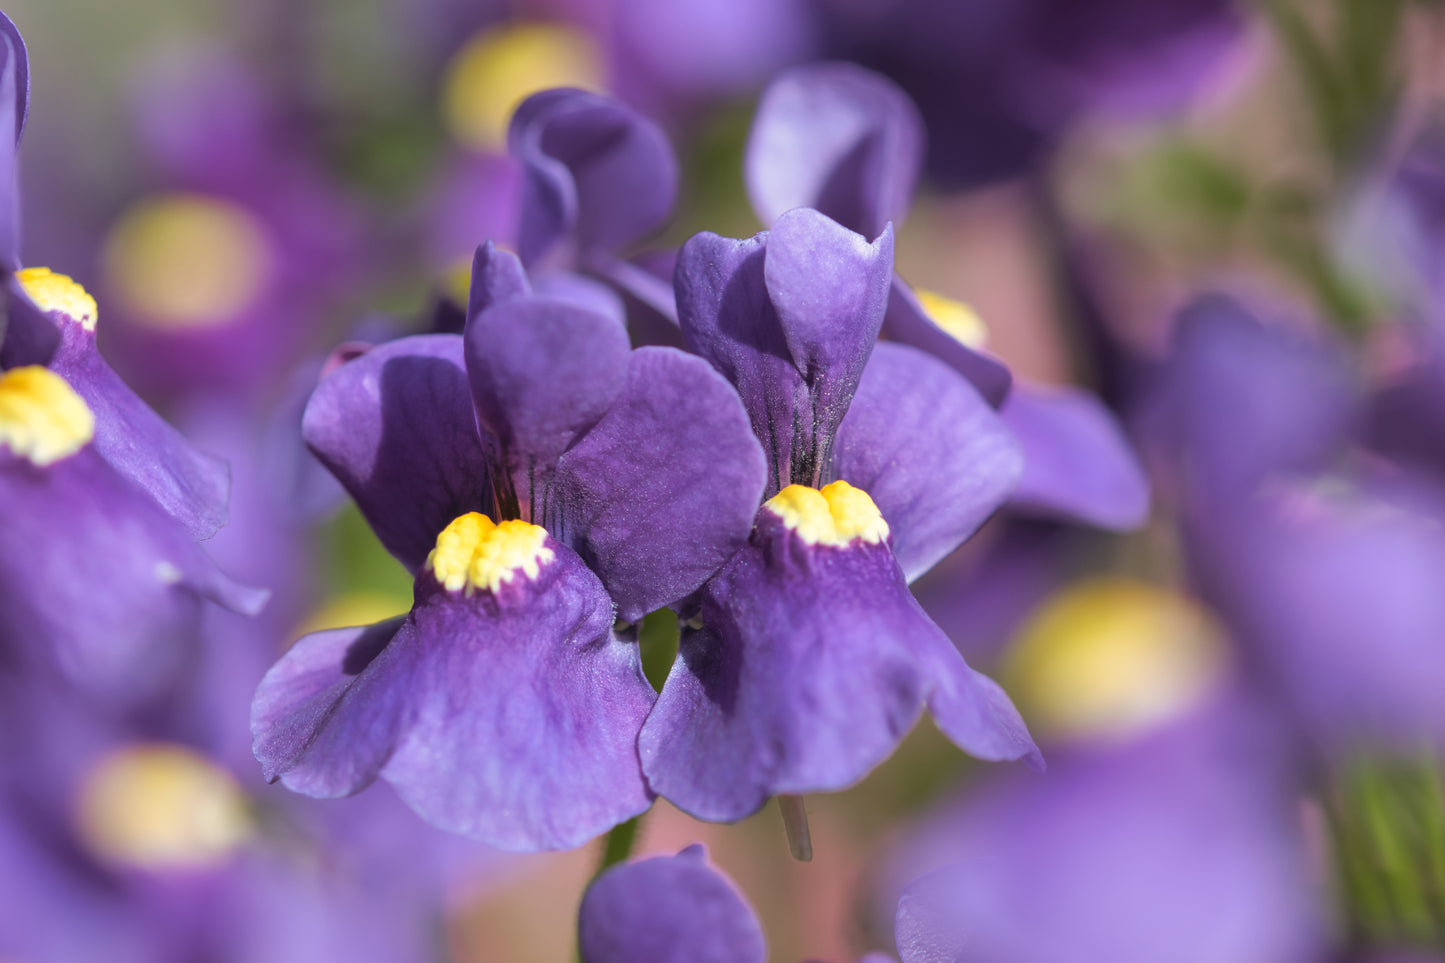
x: 1241, y: 699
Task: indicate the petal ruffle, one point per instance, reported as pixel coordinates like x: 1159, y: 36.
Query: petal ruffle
x: 1078, y: 466
x: 598, y: 174
x: 936, y: 459
x: 838, y: 138
x: 396, y: 428
x: 667, y: 909
x: 907, y: 323
x: 811, y: 665
x: 510, y: 718
x: 663, y: 491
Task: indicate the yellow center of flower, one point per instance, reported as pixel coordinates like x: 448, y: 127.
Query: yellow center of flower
x: 42, y: 419
x: 180, y: 261
x: 160, y: 806
x: 835, y: 515
x: 502, y: 67
x: 954, y: 317
x: 474, y: 553
x: 1111, y: 657
x: 56, y: 292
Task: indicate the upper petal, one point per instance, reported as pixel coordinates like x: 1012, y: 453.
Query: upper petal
x: 907, y: 322
x: 936, y: 458
x: 14, y: 105
x: 664, y: 489
x: 597, y: 173
x: 396, y: 428
x: 1077, y: 463
x: 838, y: 138
x: 667, y: 909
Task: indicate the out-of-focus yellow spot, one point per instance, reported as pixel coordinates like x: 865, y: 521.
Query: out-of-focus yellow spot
x: 835, y: 515
x: 1111, y: 657
x: 473, y: 553
x: 160, y: 806
x: 56, y: 292
x: 352, y: 608
x: 457, y: 282
x: 502, y: 67
x: 182, y: 261
x: 954, y: 317
x: 42, y: 419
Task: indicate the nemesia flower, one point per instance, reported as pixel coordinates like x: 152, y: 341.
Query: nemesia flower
x: 809, y: 659
x: 614, y: 482
x: 849, y: 142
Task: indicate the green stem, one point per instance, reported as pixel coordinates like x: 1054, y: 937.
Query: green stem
x: 795, y: 823
x: 619, y: 844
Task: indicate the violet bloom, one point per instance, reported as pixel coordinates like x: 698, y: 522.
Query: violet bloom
x: 99, y: 585
x: 613, y: 482
x: 849, y: 142
x: 1001, y: 82
x: 52, y: 321
x: 809, y: 659
x: 670, y: 909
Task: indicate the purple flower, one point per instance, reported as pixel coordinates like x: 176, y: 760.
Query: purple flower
x: 503, y: 706
x: 810, y: 659
x: 849, y: 142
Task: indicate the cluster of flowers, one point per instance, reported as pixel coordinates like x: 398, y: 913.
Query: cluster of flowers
x: 772, y: 437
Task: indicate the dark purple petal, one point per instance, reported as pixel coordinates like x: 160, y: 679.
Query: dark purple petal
x: 664, y: 489
x: 936, y: 459
x: 598, y: 175
x: 1078, y: 466
x: 667, y: 909
x: 727, y: 318
x: 98, y: 582
x: 192, y: 486
x: 27, y: 333
x: 651, y: 290
x: 838, y: 138
x: 396, y: 428
x: 908, y: 323
x: 830, y: 288
x: 542, y: 373
x: 812, y: 663
x: 510, y: 717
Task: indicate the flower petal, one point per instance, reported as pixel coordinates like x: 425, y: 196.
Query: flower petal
x: 508, y: 716
x: 598, y: 174
x: 396, y: 428
x: 664, y: 489
x: 907, y: 323
x: 14, y: 105
x: 838, y: 138
x: 1077, y: 464
x: 667, y: 909
x: 812, y: 663
x: 930, y: 451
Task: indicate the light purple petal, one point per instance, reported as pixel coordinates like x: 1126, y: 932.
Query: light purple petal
x: 1078, y: 466
x: 907, y: 323
x: 497, y: 276
x: 838, y: 138
x: 396, y: 428
x: 667, y: 909
x: 933, y: 455
x: 664, y: 489
x: 598, y: 175
x: 510, y: 718
x: 14, y: 105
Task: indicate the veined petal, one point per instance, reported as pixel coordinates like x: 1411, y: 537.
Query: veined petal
x: 1078, y: 466
x: 930, y: 451
x: 396, y: 428
x: 838, y: 138
x: 598, y: 174
x: 506, y: 712
x: 664, y: 489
